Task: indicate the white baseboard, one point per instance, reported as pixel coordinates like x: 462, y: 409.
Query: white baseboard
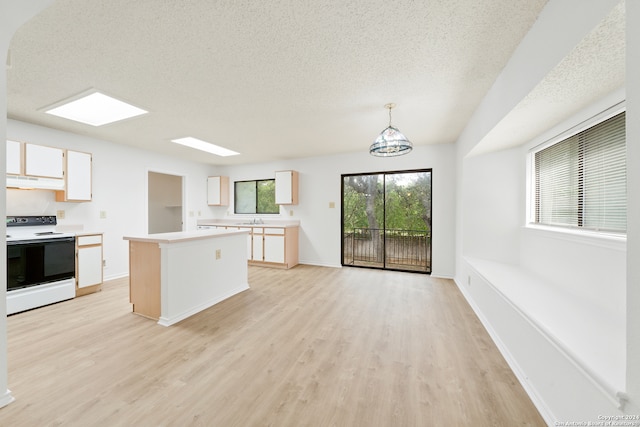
x: 168, y: 321
x: 115, y: 276
x: 6, y: 398
x: 319, y: 264
x: 441, y: 276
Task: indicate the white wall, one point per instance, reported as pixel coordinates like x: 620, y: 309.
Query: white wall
x: 492, y: 213
x: 5, y: 37
x: 12, y: 15
x: 320, y: 179
x: 119, y: 190
x: 633, y: 207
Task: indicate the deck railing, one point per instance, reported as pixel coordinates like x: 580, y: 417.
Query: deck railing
x: 394, y: 249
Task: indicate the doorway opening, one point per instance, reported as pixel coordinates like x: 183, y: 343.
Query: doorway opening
x: 386, y: 220
x: 164, y: 207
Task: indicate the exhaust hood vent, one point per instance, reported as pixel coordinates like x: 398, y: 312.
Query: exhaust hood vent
x: 33, y: 183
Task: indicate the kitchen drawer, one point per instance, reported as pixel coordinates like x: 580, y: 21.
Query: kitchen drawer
x: 279, y: 231
x: 89, y: 240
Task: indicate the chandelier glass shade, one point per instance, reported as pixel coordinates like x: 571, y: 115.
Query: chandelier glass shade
x: 390, y: 142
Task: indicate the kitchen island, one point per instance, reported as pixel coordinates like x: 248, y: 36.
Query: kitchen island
x: 175, y: 275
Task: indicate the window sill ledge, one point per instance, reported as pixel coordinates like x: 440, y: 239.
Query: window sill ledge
x: 594, y: 238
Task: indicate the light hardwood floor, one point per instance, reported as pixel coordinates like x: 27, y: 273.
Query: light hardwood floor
x: 309, y: 346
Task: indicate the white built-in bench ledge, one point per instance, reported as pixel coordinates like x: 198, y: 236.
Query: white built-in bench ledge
x: 591, y: 335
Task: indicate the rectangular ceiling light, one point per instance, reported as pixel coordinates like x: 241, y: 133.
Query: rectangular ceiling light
x: 96, y: 109
x: 204, y: 146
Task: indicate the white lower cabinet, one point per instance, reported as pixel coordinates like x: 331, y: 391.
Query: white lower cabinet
x: 274, y: 248
x: 268, y: 246
x: 88, y: 263
x: 257, y: 253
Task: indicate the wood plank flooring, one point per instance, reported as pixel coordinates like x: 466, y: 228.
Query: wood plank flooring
x: 310, y: 346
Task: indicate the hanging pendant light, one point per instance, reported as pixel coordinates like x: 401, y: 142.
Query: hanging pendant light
x: 390, y: 142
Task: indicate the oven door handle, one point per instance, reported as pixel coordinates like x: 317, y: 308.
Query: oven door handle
x: 38, y: 241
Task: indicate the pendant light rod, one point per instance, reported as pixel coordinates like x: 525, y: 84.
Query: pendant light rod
x: 390, y: 106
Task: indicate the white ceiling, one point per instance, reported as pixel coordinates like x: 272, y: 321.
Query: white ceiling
x: 275, y: 79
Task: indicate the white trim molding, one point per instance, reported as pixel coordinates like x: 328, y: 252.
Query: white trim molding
x: 6, y: 398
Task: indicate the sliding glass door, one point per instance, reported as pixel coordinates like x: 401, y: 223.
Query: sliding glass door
x: 386, y: 220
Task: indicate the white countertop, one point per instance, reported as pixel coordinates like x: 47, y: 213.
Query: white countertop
x: 182, y: 236
x: 247, y: 223
x: 87, y: 233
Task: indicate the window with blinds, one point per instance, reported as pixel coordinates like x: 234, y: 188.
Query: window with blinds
x: 581, y: 181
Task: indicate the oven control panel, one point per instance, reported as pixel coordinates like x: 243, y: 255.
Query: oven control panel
x: 14, y: 221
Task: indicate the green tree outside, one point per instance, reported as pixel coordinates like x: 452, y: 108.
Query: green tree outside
x: 406, y: 197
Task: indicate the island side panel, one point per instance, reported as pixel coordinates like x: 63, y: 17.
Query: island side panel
x: 200, y: 273
x: 144, y: 278
x: 291, y: 247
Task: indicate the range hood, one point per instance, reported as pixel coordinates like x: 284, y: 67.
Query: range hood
x: 34, y: 183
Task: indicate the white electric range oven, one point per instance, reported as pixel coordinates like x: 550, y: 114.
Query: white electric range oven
x: 40, y: 263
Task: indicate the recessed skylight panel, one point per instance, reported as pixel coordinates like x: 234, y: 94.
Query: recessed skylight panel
x: 96, y: 109
x: 201, y: 145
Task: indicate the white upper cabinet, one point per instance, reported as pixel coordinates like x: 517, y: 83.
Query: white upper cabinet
x: 286, y: 188
x: 78, y: 177
x: 43, y: 161
x: 218, y: 191
x: 14, y: 158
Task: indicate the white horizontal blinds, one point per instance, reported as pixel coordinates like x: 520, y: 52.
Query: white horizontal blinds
x: 557, y: 183
x: 605, y: 179
x: 581, y: 181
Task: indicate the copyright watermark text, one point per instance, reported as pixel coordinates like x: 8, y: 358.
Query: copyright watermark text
x: 605, y: 421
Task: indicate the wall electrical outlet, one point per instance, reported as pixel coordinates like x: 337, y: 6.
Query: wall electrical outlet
x: 332, y: 205
x: 218, y: 253
x: 103, y: 214
x: 60, y: 214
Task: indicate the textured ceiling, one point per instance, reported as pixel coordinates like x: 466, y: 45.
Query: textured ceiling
x: 273, y: 79
x: 594, y: 69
